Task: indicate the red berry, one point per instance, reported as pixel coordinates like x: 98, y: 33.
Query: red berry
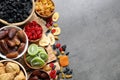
x: 58, y: 45
x: 60, y: 49
x: 48, y: 25
x: 51, y: 65
x: 53, y: 31
x: 53, y: 74
x: 34, y: 22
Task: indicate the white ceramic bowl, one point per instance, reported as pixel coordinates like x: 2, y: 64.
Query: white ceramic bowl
x: 21, y: 67
x: 26, y: 45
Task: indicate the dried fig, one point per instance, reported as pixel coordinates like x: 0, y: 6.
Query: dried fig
x: 12, y: 54
x: 3, y: 34
x: 21, y: 47
x: 12, y: 33
x: 10, y: 43
x: 4, y: 46
x: 21, y: 36
x: 16, y: 40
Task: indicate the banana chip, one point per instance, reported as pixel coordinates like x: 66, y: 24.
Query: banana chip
x: 55, y: 16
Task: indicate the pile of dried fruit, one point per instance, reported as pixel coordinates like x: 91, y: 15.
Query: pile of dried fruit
x: 14, y: 11
x: 44, y: 7
x: 33, y: 30
x: 36, y: 56
x: 12, y: 42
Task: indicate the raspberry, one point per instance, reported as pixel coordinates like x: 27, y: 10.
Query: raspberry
x: 58, y: 45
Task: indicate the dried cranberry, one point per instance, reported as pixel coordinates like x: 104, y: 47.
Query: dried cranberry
x: 60, y: 49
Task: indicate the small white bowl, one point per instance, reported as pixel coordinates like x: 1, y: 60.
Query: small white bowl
x: 21, y: 67
x: 26, y: 44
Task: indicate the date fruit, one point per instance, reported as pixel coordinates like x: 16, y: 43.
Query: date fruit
x: 4, y: 46
x: 12, y: 33
x: 21, y: 47
x: 10, y: 43
x: 21, y: 35
x: 3, y: 34
x: 12, y: 54
x: 16, y: 40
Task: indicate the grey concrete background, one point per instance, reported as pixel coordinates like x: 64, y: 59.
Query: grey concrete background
x: 91, y: 29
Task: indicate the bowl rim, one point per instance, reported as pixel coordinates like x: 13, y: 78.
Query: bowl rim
x: 20, y: 65
x: 22, y: 22
x: 30, y: 65
x: 45, y: 16
x: 26, y: 44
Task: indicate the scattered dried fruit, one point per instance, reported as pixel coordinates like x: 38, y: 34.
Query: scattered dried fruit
x: 64, y: 60
x: 55, y: 16
x: 58, y: 45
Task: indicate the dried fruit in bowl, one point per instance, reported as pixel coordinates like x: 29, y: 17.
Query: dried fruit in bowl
x: 12, y: 42
x: 44, y: 7
x: 33, y: 30
x: 37, y: 56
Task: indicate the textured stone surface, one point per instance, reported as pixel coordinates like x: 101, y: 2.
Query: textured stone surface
x: 91, y: 29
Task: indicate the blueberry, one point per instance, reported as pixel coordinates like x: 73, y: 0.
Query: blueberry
x: 58, y: 72
x: 67, y: 53
x: 54, y: 47
x: 58, y: 53
x: 64, y: 47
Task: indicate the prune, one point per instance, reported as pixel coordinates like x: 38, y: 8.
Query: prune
x: 12, y: 33
x: 34, y: 78
x: 43, y: 76
x: 36, y: 72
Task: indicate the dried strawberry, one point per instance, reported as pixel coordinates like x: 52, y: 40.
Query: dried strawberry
x: 53, y: 74
x: 53, y: 30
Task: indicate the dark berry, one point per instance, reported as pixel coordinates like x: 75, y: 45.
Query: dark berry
x: 64, y: 47
x: 67, y: 53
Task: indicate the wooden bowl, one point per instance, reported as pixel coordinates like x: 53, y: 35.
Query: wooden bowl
x: 23, y: 22
x: 30, y: 65
x: 43, y: 16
